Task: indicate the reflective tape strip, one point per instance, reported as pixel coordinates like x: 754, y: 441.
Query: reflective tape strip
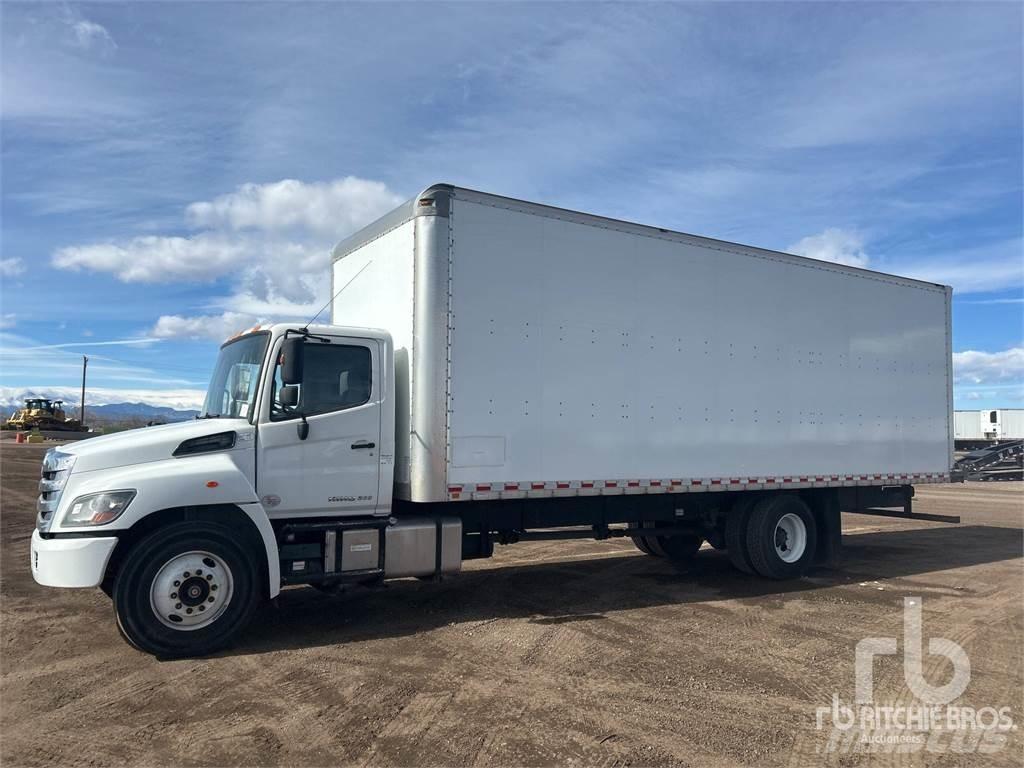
x: 537, y: 488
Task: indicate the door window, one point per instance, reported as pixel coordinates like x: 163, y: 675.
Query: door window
x: 334, y: 377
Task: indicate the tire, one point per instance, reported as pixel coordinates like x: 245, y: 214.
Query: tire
x: 643, y: 543
x: 679, y: 549
x: 654, y: 542
x: 207, y: 560
x: 781, y: 537
x: 107, y: 586
x: 736, y: 534
x: 682, y: 548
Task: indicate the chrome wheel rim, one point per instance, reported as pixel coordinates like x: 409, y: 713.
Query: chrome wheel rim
x: 191, y: 590
x: 790, y: 538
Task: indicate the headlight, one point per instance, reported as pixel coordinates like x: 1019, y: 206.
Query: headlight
x: 97, y: 508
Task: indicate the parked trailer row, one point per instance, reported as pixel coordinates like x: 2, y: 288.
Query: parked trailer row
x: 992, y: 425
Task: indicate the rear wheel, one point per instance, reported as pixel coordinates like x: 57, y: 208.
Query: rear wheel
x: 781, y: 537
x: 643, y: 543
x: 736, y: 533
x: 681, y: 548
x: 185, y: 590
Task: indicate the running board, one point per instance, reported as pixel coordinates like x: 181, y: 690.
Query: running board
x: 597, y: 532
x: 906, y: 514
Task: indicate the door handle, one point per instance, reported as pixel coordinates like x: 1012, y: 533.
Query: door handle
x: 357, y: 446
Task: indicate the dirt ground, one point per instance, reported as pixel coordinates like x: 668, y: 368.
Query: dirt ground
x: 583, y: 653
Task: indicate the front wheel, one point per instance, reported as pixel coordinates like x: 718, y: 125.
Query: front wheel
x: 185, y: 590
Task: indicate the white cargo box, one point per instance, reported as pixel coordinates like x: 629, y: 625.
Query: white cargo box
x: 545, y: 352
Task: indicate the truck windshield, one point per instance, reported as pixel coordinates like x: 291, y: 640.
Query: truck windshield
x: 232, y: 389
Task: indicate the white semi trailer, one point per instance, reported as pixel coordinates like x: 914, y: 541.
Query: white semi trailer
x: 992, y: 425
x: 495, y: 371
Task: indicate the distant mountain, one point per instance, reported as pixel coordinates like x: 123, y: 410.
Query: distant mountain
x: 141, y: 411
x: 118, y: 412
x: 101, y: 409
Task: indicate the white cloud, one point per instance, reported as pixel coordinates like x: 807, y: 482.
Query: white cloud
x: 273, y: 239
x: 153, y: 259
x: 996, y: 301
x: 840, y: 246
x: 972, y: 367
x: 26, y: 361
x: 7, y: 321
x: 216, y: 327
x: 111, y: 343
x: 993, y: 267
x: 979, y: 395
x: 11, y: 267
x: 330, y: 209
x: 90, y: 36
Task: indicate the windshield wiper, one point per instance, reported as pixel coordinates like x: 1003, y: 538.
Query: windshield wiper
x: 209, y: 416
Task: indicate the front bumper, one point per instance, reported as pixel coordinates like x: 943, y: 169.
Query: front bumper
x: 67, y: 562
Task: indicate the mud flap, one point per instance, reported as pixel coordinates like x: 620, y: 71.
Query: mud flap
x: 827, y: 518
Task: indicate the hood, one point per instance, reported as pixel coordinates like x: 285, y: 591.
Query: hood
x: 139, y: 446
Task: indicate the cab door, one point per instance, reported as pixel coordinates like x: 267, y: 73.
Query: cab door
x: 335, y: 470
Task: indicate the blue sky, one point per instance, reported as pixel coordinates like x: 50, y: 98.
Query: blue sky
x: 172, y: 173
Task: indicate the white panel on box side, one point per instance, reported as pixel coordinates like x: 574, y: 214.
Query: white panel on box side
x: 583, y: 353
x: 1012, y: 423
x: 967, y: 425
x: 380, y: 295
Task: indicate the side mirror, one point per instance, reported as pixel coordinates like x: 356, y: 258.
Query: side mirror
x: 289, y: 395
x: 292, y: 356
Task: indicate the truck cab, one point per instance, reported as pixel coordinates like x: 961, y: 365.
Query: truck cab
x: 185, y: 525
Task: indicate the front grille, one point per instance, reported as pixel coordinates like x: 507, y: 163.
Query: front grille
x: 53, y: 477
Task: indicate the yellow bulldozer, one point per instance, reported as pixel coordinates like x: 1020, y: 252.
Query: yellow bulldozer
x: 43, y: 414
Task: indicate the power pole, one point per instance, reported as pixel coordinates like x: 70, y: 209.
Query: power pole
x: 85, y: 363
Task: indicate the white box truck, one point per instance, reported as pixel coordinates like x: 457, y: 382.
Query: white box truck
x: 496, y: 371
